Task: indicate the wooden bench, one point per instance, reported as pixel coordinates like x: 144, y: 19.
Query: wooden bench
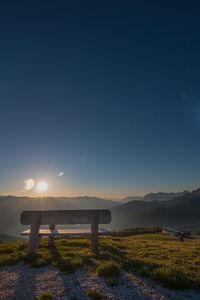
x: 58, y: 217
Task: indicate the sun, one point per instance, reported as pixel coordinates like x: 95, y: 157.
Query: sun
x: 41, y: 186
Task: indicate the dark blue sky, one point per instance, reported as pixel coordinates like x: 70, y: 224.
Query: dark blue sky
x: 106, y: 91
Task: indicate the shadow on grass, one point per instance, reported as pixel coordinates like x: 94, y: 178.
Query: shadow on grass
x: 168, y: 277
x: 70, y: 255
x: 69, y: 259
x: 65, y: 263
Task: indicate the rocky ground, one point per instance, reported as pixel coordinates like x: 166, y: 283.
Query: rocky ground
x: 20, y: 282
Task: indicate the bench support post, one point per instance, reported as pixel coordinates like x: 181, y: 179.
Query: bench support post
x: 51, y: 237
x: 94, y: 233
x: 34, y: 238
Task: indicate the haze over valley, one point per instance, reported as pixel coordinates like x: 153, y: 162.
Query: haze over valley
x: 180, y: 210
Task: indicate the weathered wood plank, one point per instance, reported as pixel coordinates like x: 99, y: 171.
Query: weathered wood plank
x: 66, y: 216
x: 94, y: 233
x: 68, y: 232
x: 34, y: 238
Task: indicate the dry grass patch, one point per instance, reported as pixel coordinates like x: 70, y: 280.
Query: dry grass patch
x: 94, y: 294
x: 45, y: 296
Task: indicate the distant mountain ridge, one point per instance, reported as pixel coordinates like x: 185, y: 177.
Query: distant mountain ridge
x: 181, y: 211
x: 160, y: 196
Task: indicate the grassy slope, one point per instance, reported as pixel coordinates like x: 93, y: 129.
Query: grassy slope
x: 8, y: 238
x: 161, y: 257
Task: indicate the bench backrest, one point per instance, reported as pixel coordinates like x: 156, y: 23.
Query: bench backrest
x: 83, y: 216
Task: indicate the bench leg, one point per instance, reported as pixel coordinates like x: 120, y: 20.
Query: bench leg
x: 94, y: 233
x: 51, y: 238
x: 39, y: 240
x: 34, y: 238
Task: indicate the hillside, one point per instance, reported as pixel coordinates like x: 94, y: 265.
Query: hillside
x: 180, y: 211
x: 8, y: 238
x: 68, y: 270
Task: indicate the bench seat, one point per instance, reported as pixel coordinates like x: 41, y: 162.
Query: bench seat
x: 52, y: 218
x: 68, y: 232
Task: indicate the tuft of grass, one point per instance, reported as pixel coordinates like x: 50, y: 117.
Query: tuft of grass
x: 70, y: 265
x: 108, y: 269
x: 38, y: 262
x: 94, y: 294
x: 171, y: 278
x: 12, y: 252
x: 112, y: 281
x: 9, y: 259
x: 45, y: 296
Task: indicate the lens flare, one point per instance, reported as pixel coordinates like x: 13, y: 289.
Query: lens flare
x: 29, y: 184
x: 61, y: 174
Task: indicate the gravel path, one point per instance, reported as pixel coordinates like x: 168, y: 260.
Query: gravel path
x: 20, y: 282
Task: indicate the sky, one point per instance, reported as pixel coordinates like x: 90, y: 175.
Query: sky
x: 107, y: 92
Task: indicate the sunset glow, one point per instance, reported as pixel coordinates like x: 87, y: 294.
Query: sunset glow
x: 41, y: 186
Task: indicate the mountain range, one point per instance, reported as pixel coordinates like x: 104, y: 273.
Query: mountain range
x: 180, y: 211
x: 155, y: 209
x: 160, y: 196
